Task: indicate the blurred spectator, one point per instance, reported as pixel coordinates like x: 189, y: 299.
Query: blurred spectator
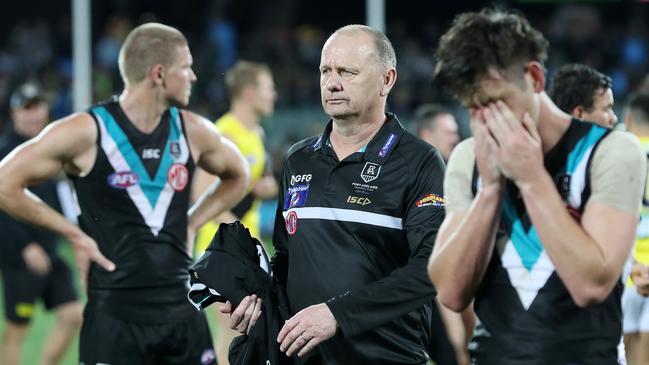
x: 31, y: 267
x: 437, y: 126
x: 635, y: 303
x: 252, y: 92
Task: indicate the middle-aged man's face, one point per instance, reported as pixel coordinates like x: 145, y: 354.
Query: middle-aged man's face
x: 350, y: 76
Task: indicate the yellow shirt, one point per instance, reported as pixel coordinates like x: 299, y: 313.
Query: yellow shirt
x: 251, y: 145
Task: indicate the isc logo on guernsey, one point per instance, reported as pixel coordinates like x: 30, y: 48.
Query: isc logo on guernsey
x: 300, y: 178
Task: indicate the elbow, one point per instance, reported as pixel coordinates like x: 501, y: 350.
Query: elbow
x: 453, y: 299
x: 590, y: 294
x: 448, y: 293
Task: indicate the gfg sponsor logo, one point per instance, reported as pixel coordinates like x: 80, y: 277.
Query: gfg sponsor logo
x: 300, y: 178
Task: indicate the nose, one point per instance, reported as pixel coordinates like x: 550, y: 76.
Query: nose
x: 332, y: 82
x: 193, y: 76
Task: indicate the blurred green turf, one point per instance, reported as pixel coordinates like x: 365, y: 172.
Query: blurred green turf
x: 44, y: 321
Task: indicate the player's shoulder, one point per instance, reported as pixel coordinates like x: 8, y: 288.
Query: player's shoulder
x: 465, y: 150
x: 191, y: 117
x: 619, y: 139
x: 76, y: 125
x: 197, y: 126
x: 620, y: 146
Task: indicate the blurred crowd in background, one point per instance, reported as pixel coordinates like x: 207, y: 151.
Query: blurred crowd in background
x: 611, y: 36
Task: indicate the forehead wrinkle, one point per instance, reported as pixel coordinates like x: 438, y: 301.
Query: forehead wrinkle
x: 349, y: 54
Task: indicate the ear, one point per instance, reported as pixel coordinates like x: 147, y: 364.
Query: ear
x: 157, y: 74
x: 578, y: 112
x: 248, y: 93
x: 389, y: 78
x: 537, y: 72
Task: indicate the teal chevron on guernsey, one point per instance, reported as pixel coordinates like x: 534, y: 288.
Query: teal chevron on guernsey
x: 151, y: 196
x: 577, y: 163
x: 523, y: 256
x: 527, y: 244
x: 584, y: 147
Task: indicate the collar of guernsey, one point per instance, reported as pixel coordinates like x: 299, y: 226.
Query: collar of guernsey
x: 151, y: 196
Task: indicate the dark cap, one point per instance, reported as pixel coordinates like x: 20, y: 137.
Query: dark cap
x: 26, y: 95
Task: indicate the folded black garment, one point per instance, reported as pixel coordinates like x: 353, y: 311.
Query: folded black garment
x: 234, y: 266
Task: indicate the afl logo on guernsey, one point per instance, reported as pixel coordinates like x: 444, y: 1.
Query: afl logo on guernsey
x: 291, y: 222
x: 178, y: 176
x: 123, y: 179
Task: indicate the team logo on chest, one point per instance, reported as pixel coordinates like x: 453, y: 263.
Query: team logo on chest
x: 178, y: 176
x: 174, y: 149
x: 370, y: 171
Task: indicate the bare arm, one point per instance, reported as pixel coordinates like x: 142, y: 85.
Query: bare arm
x: 466, y: 239
x: 217, y: 156
x: 463, y: 249
x: 589, y: 255
x: 70, y: 144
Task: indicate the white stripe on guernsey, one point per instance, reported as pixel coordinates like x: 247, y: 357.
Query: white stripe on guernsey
x: 167, y: 193
x: 578, y: 180
x: 198, y: 287
x: 347, y: 215
x: 154, y: 217
x: 526, y: 283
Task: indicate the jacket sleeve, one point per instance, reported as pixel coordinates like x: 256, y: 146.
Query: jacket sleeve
x: 408, y: 287
x: 279, y: 262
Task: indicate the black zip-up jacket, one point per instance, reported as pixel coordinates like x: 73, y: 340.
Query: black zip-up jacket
x: 357, y: 234
x: 16, y: 235
x: 232, y: 267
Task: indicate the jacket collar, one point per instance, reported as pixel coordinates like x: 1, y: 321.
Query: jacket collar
x: 378, y: 149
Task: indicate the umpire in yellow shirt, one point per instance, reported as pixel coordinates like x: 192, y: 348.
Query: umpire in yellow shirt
x: 252, y: 97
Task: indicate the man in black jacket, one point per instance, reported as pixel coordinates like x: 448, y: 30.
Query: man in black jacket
x: 360, y: 208
x: 31, y: 268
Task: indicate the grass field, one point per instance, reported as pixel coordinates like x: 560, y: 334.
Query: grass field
x: 44, y: 322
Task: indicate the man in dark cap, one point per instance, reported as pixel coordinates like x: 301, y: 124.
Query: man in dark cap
x: 31, y: 268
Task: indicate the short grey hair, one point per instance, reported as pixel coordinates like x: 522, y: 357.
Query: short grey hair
x: 384, y: 50
x: 145, y: 46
